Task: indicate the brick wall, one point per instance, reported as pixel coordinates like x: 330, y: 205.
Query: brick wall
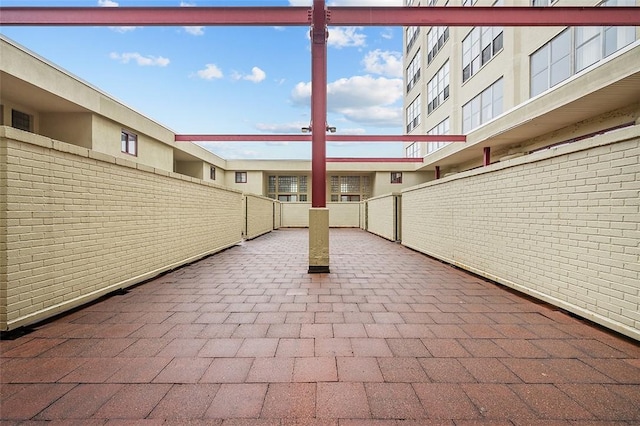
x: 80, y: 224
x: 562, y: 225
x: 258, y: 215
x: 341, y: 215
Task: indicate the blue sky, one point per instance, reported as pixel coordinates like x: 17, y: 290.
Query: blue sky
x: 241, y: 80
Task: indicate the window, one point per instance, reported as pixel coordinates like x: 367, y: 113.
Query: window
x: 551, y: 64
x: 441, y: 128
x: 287, y: 188
x: 482, y: 44
x: 129, y: 143
x: 412, y: 36
x: 20, y: 120
x: 436, y: 38
x: 396, y: 177
x: 212, y: 173
x: 542, y: 2
x: 413, y: 150
x: 241, y: 177
x: 483, y: 107
x: 575, y: 49
x: 413, y: 114
x: 413, y: 70
x: 468, y: 2
x: 438, y: 88
x: 349, y: 188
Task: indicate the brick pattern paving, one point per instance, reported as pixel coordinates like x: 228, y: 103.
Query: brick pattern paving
x: 389, y: 337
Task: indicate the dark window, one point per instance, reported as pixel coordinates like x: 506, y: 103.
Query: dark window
x: 212, y: 173
x: 396, y: 177
x: 20, y: 120
x: 129, y: 143
x: 241, y: 177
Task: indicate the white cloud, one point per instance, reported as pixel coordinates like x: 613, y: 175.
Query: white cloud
x: 340, y: 37
x: 361, y: 99
x: 387, y: 33
x: 210, y: 72
x: 144, y: 61
x: 256, y: 76
x: 193, y: 30
x: 384, y: 63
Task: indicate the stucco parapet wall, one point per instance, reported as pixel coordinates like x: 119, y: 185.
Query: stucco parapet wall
x: 613, y: 137
x: 7, y: 132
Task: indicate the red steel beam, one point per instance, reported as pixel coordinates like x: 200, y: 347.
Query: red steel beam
x: 354, y: 16
x: 143, y: 16
x: 374, y: 160
x: 329, y: 138
x: 485, y: 16
x: 318, y: 124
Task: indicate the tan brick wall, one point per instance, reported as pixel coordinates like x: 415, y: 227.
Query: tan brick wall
x: 258, y: 215
x: 80, y: 224
x: 562, y: 225
x: 382, y: 216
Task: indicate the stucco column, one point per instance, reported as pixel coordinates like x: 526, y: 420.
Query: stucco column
x: 319, y: 240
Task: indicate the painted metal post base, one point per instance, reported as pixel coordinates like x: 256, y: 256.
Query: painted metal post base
x: 319, y: 269
x: 318, y: 240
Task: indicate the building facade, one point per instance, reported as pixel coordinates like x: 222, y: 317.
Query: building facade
x: 487, y: 80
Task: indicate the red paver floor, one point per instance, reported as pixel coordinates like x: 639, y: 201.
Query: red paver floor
x: 389, y: 337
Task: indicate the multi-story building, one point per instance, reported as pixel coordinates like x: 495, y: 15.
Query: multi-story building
x: 486, y: 81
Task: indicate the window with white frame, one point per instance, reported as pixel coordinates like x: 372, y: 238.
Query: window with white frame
x: 413, y: 114
x: 438, y: 88
x: 412, y: 36
x: 542, y: 2
x: 478, y: 47
x: 483, y: 107
x: 436, y: 38
x: 575, y: 49
x: 413, y: 70
x: 413, y: 150
x: 287, y: 188
x: 212, y: 173
x: 441, y: 128
x: 129, y: 142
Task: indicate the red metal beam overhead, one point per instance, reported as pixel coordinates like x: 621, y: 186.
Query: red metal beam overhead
x: 142, y: 16
x: 300, y: 16
x: 375, y: 160
x: 330, y: 138
x: 485, y: 16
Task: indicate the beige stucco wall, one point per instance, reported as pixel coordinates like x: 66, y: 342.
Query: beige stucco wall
x: 382, y: 216
x: 78, y: 224
x: 75, y: 128
x: 364, y: 215
x: 295, y: 215
x: 341, y: 215
x: 562, y: 225
x: 258, y: 215
x: 344, y: 215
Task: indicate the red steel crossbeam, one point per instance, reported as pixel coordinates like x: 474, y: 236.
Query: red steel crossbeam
x: 375, y: 160
x: 330, y: 138
x: 299, y: 16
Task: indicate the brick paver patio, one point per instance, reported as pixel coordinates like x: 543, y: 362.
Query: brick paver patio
x: 389, y: 337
